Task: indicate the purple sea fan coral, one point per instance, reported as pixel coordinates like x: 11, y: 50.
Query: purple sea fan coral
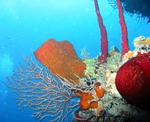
x: 48, y: 96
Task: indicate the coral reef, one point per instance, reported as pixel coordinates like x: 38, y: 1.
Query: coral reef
x: 115, y: 108
x: 52, y: 90
x: 90, y: 67
x: 105, y: 72
x: 60, y: 58
x: 50, y: 95
x: 66, y: 85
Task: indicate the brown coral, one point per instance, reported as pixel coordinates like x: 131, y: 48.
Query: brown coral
x: 60, y: 58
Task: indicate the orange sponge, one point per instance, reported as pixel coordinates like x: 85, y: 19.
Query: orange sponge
x: 61, y: 59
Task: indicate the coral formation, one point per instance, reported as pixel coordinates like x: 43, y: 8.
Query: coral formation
x: 90, y: 67
x: 99, y: 100
x: 71, y: 81
x: 61, y: 59
x: 115, y: 108
x: 49, y: 90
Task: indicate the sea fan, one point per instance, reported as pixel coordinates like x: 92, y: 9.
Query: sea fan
x: 48, y: 96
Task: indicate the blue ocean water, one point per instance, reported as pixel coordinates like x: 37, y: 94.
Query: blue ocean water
x: 26, y: 24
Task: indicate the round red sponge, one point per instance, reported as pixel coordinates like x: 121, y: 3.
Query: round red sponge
x: 133, y: 81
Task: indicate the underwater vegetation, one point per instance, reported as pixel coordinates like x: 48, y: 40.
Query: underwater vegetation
x: 56, y: 83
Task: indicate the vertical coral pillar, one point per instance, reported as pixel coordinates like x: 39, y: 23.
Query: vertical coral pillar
x: 125, y: 47
x: 104, y: 42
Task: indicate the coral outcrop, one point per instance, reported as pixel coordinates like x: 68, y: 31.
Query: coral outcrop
x: 115, y: 107
x: 62, y: 61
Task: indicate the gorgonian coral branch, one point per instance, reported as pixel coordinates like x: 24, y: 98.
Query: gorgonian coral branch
x: 48, y: 96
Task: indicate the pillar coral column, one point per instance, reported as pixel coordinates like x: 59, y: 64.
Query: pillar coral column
x: 125, y: 47
x: 104, y: 42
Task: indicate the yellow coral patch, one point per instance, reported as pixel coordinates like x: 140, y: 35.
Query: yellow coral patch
x: 142, y: 42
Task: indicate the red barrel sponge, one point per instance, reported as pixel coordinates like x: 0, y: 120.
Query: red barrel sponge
x: 133, y: 80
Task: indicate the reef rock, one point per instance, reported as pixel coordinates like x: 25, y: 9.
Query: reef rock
x: 61, y: 60
x: 133, y: 80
